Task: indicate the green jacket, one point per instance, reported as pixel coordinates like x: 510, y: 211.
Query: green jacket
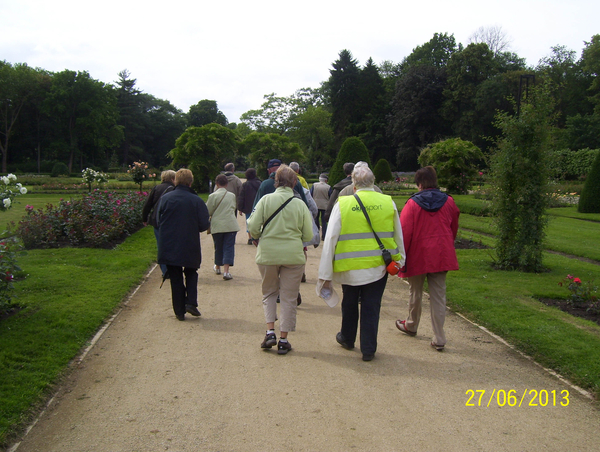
x: 223, y: 217
x: 281, y: 242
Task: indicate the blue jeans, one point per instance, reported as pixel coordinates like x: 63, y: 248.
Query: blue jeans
x: 224, y: 248
x: 370, y: 305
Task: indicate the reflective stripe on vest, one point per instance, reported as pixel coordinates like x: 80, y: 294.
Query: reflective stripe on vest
x: 356, y: 247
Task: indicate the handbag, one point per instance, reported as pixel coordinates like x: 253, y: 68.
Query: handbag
x: 391, y: 266
x: 223, y: 197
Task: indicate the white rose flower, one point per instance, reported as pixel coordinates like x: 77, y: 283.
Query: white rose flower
x: 23, y: 190
x: 6, y: 203
x: 5, y: 180
x: 11, y: 176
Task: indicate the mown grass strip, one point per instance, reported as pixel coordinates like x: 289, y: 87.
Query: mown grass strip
x: 67, y: 296
x: 507, y: 304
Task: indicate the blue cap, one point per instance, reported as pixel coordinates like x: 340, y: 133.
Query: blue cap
x: 274, y: 162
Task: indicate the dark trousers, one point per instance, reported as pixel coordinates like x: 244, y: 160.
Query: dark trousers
x: 322, y: 223
x: 163, y: 267
x: 370, y: 305
x: 183, y: 293
x: 224, y: 248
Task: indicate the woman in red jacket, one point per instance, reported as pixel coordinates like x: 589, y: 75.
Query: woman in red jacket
x: 429, y: 224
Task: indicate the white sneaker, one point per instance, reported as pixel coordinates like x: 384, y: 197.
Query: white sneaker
x: 227, y: 276
x: 216, y: 270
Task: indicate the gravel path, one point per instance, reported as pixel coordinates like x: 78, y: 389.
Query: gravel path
x: 152, y: 383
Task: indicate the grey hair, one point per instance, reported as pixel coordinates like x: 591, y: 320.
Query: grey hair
x: 229, y: 167
x: 362, y: 176
x: 295, y: 166
x: 167, y: 176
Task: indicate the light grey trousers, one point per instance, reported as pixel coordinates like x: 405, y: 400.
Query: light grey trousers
x: 437, y: 302
x: 282, y: 281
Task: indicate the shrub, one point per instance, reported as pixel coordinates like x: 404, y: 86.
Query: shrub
x: 589, y: 201
x: 382, y: 171
x: 139, y: 173
x: 60, y: 169
x: 572, y: 165
x: 95, y: 220
x: 89, y: 176
x: 520, y: 179
x: 353, y: 150
x: 454, y: 161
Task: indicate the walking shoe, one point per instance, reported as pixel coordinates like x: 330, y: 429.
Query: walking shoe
x: 368, y: 357
x: 439, y: 348
x: 303, y: 277
x: 216, y: 270
x: 343, y: 342
x: 191, y: 309
x: 270, y: 341
x: 299, y: 300
x: 283, y: 347
x: 227, y: 276
x: 401, y: 325
x: 180, y: 317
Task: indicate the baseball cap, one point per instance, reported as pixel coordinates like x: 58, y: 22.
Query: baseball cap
x: 273, y: 163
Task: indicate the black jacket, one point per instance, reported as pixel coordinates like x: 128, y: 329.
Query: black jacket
x: 151, y: 204
x: 335, y: 192
x: 246, y: 199
x: 182, y: 216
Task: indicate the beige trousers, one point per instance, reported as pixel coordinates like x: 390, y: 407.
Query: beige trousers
x: 282, y: 281
x: 437, y: 302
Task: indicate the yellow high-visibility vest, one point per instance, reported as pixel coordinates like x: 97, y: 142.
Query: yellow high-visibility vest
x: 357, y: 247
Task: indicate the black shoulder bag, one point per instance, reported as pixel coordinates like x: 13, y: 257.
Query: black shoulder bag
x: 387, y: 256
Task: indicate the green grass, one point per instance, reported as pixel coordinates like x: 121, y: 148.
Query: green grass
x: 67, y: 296
x: 506, y: 303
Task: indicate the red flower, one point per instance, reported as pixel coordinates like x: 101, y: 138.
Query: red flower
x: 577, y: 281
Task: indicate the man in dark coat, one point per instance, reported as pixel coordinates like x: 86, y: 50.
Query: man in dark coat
x: 167, y: 179
x: 268, y: 185
x: 337, y: 188
x: 182, y: 216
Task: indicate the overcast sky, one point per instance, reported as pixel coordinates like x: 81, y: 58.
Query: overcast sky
x: 235, y: 51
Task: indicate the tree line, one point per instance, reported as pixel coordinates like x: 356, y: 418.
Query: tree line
x: 441, y: 90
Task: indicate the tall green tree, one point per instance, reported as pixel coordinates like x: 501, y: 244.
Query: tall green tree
x: 311, y: 129
x: 261, y: 147
x: 165, y: 123
x: 353, y: 150
x: 204, y: 150
x: 590, y: 60
x: 520, y: 175
x: 131, y: 117
x: 85, y: 114
x: 18, y: 83
x: 206, y: 112
x: 436, y: 52
x: 343, y: 89
x: 415, y: 120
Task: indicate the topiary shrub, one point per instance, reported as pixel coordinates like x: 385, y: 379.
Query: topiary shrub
x: 60, y: 169
x: 382, y: 171
x: 589, y: 201
x: 352, y: 150
x: 454, y: 161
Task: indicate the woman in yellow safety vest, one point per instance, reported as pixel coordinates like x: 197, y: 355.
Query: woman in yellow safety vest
x: 352, y: 256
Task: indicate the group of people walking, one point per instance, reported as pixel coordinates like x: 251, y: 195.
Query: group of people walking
x: 365, y: 239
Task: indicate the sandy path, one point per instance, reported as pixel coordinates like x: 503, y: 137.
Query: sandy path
x: 152, y: 383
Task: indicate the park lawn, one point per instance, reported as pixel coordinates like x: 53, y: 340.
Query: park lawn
x: 506, y: 302
x: 67, y: 295
x: 572, y: 212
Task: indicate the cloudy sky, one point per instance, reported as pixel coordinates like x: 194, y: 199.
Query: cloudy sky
x: 235, y: 51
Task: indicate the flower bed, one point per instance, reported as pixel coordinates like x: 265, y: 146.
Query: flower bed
x: 96, y: 220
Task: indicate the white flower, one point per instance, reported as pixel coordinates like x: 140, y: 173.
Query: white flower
x: 6, y: 203
x: 23, y: 190
x: 5, y: 180
x: 12, y: 177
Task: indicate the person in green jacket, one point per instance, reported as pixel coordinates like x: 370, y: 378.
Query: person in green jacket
x: 280, y: 256
x: 223, y: 226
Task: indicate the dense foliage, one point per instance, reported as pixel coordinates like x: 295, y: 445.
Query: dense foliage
x: 572, y: 165
x: 589, y: 201
x: 353, y: 150
x: 382, y: 171
x: 520, y: 178
x: 95, y: 220
x: 455, y: 162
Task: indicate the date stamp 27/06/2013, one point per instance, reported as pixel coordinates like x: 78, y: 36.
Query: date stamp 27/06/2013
x: 512, y: 398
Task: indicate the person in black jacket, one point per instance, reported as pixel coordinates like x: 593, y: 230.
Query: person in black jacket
x: 167, y: 179
x: 182, y: 216
x: 337, y: 188
x: 246, y: 199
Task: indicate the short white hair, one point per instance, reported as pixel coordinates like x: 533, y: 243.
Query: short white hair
x: 362, y: 176
x: 295, y: 166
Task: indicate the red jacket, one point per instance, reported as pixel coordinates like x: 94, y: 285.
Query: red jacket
x: 429, y: 234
